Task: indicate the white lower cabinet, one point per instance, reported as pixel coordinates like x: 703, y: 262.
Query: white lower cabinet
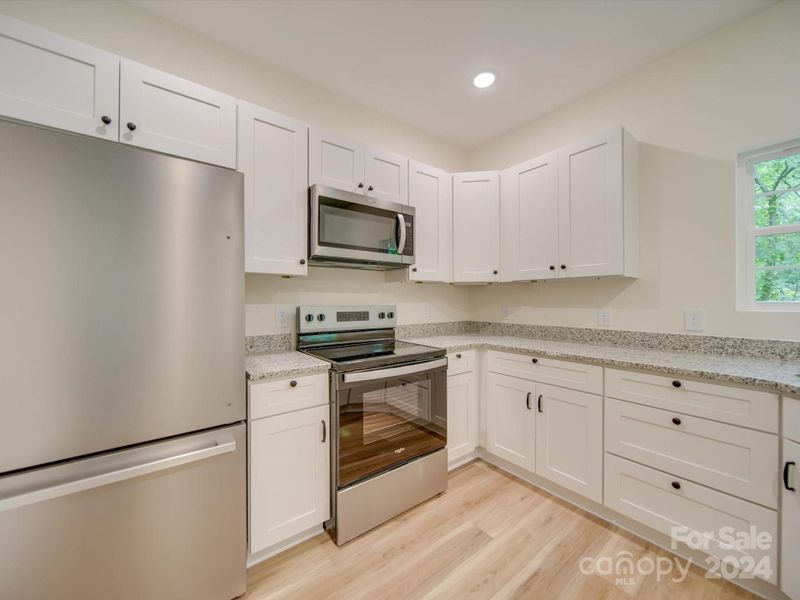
x: 510, y: 426
x: 790, y: 519
x: 289, y: 473
x: 569, y: 439
x: 462, y: 408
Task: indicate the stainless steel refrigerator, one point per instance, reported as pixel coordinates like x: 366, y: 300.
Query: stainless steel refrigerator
x: 122, y: 448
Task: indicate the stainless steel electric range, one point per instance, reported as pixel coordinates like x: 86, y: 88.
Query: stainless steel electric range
x: 389, y: 410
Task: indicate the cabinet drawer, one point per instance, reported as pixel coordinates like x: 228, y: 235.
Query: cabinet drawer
x: 460, y: 362
x: 280, y: 396
x: 791, y: 419
x: 739, y: 461
x: 750, y: 408
x: 577, y: 376
x: 648, y: 496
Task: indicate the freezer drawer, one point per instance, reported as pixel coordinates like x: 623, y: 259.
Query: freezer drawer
x: 163, y: 520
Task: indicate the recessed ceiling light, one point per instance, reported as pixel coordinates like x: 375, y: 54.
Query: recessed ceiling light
x: 483, y: 80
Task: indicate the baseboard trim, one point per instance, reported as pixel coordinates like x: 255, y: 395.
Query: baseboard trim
x: 254, y: 559
x: 758, y: 587
x: 459, y: 462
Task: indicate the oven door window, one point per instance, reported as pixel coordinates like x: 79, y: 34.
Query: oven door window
x: 387, y: 422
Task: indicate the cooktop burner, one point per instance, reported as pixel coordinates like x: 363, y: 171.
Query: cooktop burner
x: 373, y: 354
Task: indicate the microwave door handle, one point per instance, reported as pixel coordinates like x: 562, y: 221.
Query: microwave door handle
x: 401, y: 238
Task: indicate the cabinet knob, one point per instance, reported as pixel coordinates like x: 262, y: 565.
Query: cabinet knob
x: 563, y: 266
x: 414, y: 269
x: 361, y: 185
x: 494, y: 272
x: 458, y: 356
x: 106, y: 119
x: 676, y: 420
x: 370, y: 188
x: 552, y: 267
x: 676, y: 485
x: 676, y: 384
x: 293, y: 383
x: 131, y: 126
x: 302, y: 261
x: 534, y: 360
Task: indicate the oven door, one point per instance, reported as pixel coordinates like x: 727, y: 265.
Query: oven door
x: 344, y: 226
x: 387, y: 417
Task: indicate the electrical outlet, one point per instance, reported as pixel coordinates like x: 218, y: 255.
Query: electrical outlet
x: 282, y: 319
x: 693, y: 320
x: 505, y: 312
x: 604, y: 317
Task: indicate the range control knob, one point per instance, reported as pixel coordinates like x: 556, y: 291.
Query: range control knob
x: 390, y: 315
x: 381, y: 315
x: 320, y: 317
x: 309, y: 317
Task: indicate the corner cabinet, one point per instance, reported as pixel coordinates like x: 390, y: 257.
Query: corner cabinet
x: 57, y: 82
x: 431, y: 194
x: 289, y: 460
x: 529, y: 207
x: 347, y: 164
x: 598, y: 206
x: 273, y: 155
x: 476, y: 227
x: 169, y: 114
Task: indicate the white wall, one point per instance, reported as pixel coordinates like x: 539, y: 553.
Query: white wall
x: 694, y: 109
x: 135, y: 34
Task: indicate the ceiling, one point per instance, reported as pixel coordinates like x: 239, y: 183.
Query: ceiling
x: 415, y: 60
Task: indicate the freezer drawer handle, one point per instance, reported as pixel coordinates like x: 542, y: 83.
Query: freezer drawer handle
x: 221, y: 446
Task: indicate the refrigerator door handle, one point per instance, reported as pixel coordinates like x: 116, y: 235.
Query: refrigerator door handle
x: 223, y: 445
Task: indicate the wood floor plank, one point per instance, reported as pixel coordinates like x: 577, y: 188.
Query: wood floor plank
x: 490, y: 536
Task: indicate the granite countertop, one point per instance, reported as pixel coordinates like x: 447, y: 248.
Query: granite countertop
x: 775, y: 375
x: 283, y: 364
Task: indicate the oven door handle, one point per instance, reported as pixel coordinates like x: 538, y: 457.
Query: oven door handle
x: 401, y: 238
x: 394, y: 371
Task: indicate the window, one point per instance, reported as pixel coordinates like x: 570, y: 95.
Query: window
x: 768, y: 223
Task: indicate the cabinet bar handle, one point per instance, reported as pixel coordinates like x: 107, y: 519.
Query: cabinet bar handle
x: 539, y: 403
x: 786, y: 475
x: 528, y: 400
x: 324, y: 431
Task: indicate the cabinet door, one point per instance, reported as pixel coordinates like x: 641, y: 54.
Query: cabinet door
x: 335, y: 160
x: 510, y: 428
x: 57, y: 82
x: 790, y: 521
x: 289, y: 475
x: 273, y: 155
x: 590, y: 208
x: 569, y: 439
x: 462, y: 415
x: 529, y: 208
x: 386, y: 175
x: 168, y: 114
x: 431, y: 194
x: 476, y: 227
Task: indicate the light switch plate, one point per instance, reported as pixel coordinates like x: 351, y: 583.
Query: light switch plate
x: 282, y: 316
x: 505, y: 312
x: 693, y: 320
x: 604, y: 317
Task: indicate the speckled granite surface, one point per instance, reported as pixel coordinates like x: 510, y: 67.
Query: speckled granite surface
x: 265, y: 344
x: 771, y: 374
x: 283, y: 364
x: 431, y: 329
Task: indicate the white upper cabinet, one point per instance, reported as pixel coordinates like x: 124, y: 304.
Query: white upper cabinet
x: 386, y: 175
x: 598, y: 206
x: 476, y: 227
x: 166, y: 113
x: 431, y: 194
x: 529, y: 208
x: 273, y: 155
x: 347, y: 164
x: 57, y: 82
x: 335, y: 160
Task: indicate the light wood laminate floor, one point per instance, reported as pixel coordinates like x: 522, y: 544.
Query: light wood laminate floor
x: 490, y: 535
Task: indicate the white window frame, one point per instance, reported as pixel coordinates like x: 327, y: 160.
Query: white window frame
x: 746, y: 230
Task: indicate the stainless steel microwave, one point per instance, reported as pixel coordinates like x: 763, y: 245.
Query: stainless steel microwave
x: 346, y: 229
